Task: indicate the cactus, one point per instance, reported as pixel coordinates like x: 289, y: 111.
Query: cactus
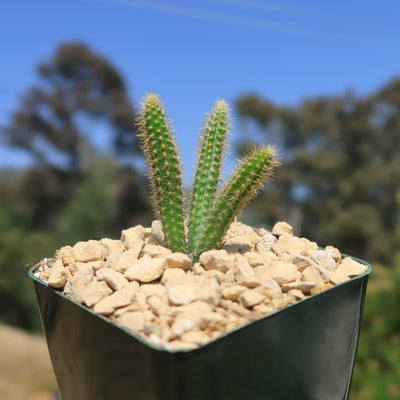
x: 212, y: 210
x: 161, y: 153
x: 248, y: 178
x: 212, y: 146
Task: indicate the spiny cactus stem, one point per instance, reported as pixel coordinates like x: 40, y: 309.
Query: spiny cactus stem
x: 212, y: 147
x: 244, y: 184
x: 165, y: 173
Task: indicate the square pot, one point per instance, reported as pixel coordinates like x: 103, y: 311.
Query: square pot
x: 305, y: 351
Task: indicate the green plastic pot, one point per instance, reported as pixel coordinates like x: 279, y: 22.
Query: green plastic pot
x: 305, y: 351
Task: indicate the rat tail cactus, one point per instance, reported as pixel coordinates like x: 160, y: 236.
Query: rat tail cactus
x: 160, y: 149
x: 212, y: 146
x: 212, y: 210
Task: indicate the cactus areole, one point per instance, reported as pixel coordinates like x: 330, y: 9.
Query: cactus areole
x: 212, y: 208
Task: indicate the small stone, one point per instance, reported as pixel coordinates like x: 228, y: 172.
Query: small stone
x: 349, y: 267
x: 129, y: 257
x: 239, y: 229
x: 229, y: 277
x: 289, y: 244
x: 304, y: 287
x: 146, y: 269
x: 250, y: 298
x: 296, y: 294
x: 172, y: 275
x: 255, y: 259
x: 312, y: 275
x: 213, y: 321
x: 217, y: 259
x: 66, y: 254
x: 158, y: 306
x: 302, y: 262
x: 198, y: 269
x: 153, y: 289
x: 265, y: 242
x: 336, y: 277
x: 237, y: 308
x: 282, y: 227
x: 209, y: 291
x: 283, y: 272
x: 84, y: 275
x: 181, y: 326
x: 157, y: 232
x: 94, y: 292
x: 177, y: 260
x: 324, y: 259
x: 233, y: 292
x: 92, y: 250
x: 112, y: 245
x: 244, y: 274
x: 152, y: 328
x: 323, y: 272
x: 115, y: 279
x: 155, y: 251
x: 58, y: 276
x: 334, y: 252
x: 195, y: 337
x: 192, y: 311
x: 133, y: 321
x: 112, y: 259
x: 121, y: 298
x: 180, y: 294
x: 76, y: 285
x: 213, y: 273
x: 96, y: 265
x: 131, y: 236
x: 238, y: 244
x: 179, y: 345
x: 262, y: 309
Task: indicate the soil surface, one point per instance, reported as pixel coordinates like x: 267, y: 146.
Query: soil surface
x: 25, y: 367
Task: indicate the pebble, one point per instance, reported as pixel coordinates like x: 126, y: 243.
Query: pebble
x: 217, y: 259
x: 283, y: 272
x: 281, y: 228
x: 177, y: 260
x: 92, y: 250
x: 131, y: 236
x: 250, y: 298
x: 146, y: 269
x: 115, y: 279
x: 350, y: 268
x: 180, y: 294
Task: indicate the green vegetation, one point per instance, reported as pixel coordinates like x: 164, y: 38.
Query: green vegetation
x: 211, y: 212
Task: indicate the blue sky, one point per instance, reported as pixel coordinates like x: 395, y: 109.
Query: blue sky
x: 195, y: 52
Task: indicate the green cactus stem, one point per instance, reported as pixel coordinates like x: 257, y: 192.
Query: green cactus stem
x: 246, y: 181
x: 212, y: 147
x: 161, y: 153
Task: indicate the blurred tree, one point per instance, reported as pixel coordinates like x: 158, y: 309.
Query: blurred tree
x: 341, y: 168
x: 74, y: 191
x: 74, y: 84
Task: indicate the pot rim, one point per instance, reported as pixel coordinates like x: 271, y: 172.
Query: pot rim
x: 213, y: 341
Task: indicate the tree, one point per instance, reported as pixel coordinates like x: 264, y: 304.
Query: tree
x: 74, y: 84
x: 341, y: 168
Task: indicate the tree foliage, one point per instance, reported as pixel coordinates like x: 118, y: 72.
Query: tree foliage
x: 341, y: 168
x: 75, y: 83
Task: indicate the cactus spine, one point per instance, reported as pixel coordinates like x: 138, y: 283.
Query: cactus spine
x: 212, y: 146
x: 211, y: 212
x: 161, y: 153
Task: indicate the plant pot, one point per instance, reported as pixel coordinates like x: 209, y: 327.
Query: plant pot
x: 305, y: 351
